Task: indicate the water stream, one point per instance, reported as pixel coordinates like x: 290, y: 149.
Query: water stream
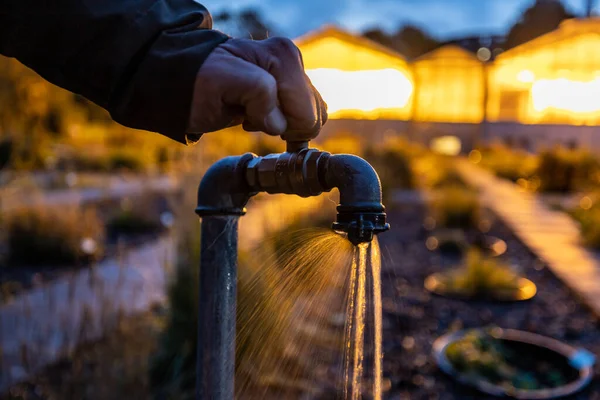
x: 309, y: 318
x: 365, y: 269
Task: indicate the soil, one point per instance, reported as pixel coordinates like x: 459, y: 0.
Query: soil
x: 413, y: 318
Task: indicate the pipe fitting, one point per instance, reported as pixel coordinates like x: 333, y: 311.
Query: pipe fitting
x: 229, y: 184
x: 361, y: 213
x: 223, y: 190
x: 288, y: 173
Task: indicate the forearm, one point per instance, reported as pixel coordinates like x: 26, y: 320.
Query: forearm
x: 136, y: 58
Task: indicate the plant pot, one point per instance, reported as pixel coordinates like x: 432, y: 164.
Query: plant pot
x: 527, y: 290
x: 578, y: 361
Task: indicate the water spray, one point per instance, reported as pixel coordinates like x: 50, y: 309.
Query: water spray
x: 222, y: 197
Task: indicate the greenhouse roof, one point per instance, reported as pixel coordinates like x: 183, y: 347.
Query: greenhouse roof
x: 345, y: 36
x: 568, y: 29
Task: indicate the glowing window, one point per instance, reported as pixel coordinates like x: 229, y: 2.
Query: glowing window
x: 367, y: 90
x: 525, y: 76
x: 567, y: 95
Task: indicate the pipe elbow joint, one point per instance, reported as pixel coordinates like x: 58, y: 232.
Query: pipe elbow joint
x: 223, y: 189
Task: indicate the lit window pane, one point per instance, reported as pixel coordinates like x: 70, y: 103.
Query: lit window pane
x: 365, y: 91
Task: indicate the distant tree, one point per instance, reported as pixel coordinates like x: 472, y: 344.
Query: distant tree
x: 246, y: 23
x: 379, y: 36
x: 542, y: 17
x: 410, y: 40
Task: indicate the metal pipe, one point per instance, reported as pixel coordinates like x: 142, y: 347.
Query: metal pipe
x: 223, y: 189
x: 222, y: 197
x: 356, y: 180
x: 215, y: 368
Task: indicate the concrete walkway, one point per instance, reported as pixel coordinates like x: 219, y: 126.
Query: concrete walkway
x: 552, y: 235
x: 113, y: 189
x: 43, y: 324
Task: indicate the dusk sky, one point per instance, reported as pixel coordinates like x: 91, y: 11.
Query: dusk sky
x: 442, y: 18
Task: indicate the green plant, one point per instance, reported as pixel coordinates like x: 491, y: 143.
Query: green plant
x: 449, y: 177
x: 589, y: 223
x: 456, y: 207
x: 125, y: 160
x: 481, y: 277
x: 393, y: 162
x: 132, y: 223
x: 505, y: 162
x: 563, y: 170
x: 53, y: 237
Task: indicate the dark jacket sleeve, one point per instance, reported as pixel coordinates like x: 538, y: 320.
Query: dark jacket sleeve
x: 136, y: 58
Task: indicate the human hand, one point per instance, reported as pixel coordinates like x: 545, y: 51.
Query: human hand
x: 261, y: 84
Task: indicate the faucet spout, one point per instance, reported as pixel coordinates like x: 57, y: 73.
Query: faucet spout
x: 361, y: 213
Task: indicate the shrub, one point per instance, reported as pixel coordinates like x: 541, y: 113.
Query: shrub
x: 125, y: 161
x: 449, y: 177
x: 588, y: 216
x: 456, y: 207
x: 562, y: 170
x: 394, y: 167
x: 132, y: 223
x: 52, y: 237
x: 507, y: 163
x: 82, y: 161
x: 482, y: 277
x: 590, y: 229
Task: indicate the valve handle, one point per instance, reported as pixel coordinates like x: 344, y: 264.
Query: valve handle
x: 298, y: 139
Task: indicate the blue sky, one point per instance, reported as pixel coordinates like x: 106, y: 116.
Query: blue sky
x: 442, y: 18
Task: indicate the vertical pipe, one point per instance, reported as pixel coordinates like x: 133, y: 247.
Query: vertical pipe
x: 217, y: 308
x: 483, y: 133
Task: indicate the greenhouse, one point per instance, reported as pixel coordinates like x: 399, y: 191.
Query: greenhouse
x: 554, y: 79
x: 449, y: 85
x: 358, y: 78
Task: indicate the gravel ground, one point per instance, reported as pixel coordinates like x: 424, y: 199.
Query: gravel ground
x: 413, y: 318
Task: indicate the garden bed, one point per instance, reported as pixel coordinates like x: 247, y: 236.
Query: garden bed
x: 414, y: 319
x: 113, y: 232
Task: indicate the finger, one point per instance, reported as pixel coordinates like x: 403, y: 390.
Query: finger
x: 256, y: 90
x: 294, y: 90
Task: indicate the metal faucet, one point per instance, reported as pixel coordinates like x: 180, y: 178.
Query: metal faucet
x: 222, y: 196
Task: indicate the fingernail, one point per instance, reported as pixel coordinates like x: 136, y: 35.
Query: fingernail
x: 275, y: 122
